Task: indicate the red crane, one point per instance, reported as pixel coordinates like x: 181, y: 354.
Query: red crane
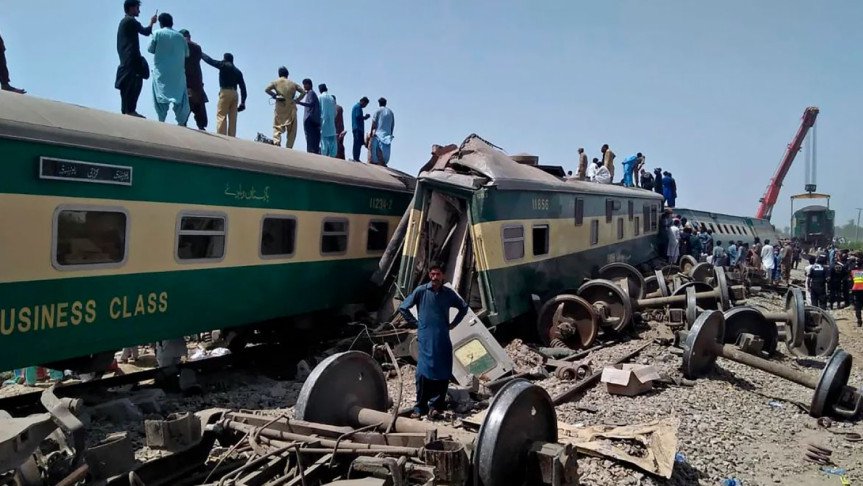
x: 765, y: 209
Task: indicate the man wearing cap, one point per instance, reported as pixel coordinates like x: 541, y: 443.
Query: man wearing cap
x: 229, y: 79
x: 133, y: 69
x: 381, y: 136
x: 169, y: 51
x: 195, y: 82
x: 286, y: 93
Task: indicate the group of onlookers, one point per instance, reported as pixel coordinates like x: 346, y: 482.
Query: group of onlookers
x: 178, y: 83
x: 634, y: 173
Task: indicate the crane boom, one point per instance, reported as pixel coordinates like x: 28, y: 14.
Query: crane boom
x: 771, y: 194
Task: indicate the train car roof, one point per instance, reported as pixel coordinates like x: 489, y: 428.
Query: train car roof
x: 812, y: 209
x: 53, y: 122
x: 479, y: 163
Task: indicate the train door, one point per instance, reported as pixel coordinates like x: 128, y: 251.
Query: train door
x: 441, y: 234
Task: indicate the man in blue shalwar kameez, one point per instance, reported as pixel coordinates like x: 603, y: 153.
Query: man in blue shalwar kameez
x: 434, y: 364
x: 329, y: 143
x: 628, y: 166
x: 170, y: 50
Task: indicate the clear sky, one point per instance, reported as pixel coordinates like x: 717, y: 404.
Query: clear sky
x: 711, y: 91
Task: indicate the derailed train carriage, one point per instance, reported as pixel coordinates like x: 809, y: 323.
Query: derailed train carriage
x: 513, y: 235
x: 119, y: 231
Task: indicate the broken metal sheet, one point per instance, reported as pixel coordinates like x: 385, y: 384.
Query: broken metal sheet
x: 658, y: 437
x: 20, y: 437
x: 476, y: 353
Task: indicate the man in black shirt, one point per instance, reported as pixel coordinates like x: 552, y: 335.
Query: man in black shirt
x: 195, y: 82
x: 4, y: 72
x: 133, y: 69
x: 229, y: 78
x: 817, y: 282
x: 311, y: 118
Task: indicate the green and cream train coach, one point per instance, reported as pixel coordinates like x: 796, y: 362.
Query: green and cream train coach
x: 508, y: 231
x: 118, y: 231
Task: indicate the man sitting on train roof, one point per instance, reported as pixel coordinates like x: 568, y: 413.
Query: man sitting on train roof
x: 600, y: 173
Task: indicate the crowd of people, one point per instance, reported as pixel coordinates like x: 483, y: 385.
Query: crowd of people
x: 178, y: 84
x: 635, y: 173
x: 834, y: 280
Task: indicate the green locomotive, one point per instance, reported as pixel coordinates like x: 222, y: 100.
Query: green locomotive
x: 119, y: 231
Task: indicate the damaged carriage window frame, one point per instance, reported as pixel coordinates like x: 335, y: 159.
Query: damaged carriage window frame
x: 544, y: 230
x: 645, y: 213
x: 282, y: 218
x: 620, y: 228
x: 579, y: 211
x: 335, y: 235
x: 637, y: 226
x: 654, y: 217
x: 630, y: 210
x: 87, y: 208
x: 383, y: 226
x: 609, y: 210
x: 215, y: 234
x: 512, y: 241
x: 594, y: 232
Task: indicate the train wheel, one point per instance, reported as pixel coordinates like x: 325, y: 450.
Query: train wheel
x: 568, y: 321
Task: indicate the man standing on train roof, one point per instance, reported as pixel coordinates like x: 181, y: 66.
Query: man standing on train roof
x: 340, y: 130
x: 311, y: 118
x: 669, y: 189
x: 434, y: 362
x: 358, y: 126
x: 4, y: 72
x: 582, y: 165
x: 657, y: 181
x: 608, y: 159
x: 329, y: 147
x: 230, y: 77
x: 133, y: 69
x: 628, y: 167
x: 169, y: 50
x: 383, y: 124
x: 285, y: 92
x: 195, y: 82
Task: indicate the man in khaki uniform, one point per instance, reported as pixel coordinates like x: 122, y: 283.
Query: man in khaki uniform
x: 608, y: 160
x: 582, y: 165
x: 284, y: 91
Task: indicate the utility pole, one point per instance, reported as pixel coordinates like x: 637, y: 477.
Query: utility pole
x: 857, y: 228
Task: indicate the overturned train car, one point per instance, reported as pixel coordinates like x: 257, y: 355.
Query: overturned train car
x: 507, y: 231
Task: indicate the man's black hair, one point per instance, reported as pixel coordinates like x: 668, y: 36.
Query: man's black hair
x: 364, y: 99
x: 283, y: 72
x: 382, y: 101
x: 228, y: 57
x: 131, y: 3
x: 307, y: 81
x: 436, y: 266
x: 322, y: 87
x: 165, y: 20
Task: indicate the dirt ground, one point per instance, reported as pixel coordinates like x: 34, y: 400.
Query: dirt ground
x: 735, y: 423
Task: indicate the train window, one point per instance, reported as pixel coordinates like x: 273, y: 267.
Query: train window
x: 631, y: 209
x: 579, y: 211
x: 645, y: 214
x: 745, y: 231
x: 619, y: 228
x: 201, y: 237
x: 278, y: 236
x: 609, y: 210
x: 334, y: 236
x: 377, y: 239
x: 594, y: 232
x: 540, y: 239
x: 90, y: 236
x: 712, y: 228
x: 513, y: 242
x: 637, y: 226
x: 654, y: 218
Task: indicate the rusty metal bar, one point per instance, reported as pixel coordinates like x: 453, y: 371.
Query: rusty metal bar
x: 590, y: 380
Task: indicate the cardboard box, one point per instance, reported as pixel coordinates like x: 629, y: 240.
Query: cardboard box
x: 629, y: 379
